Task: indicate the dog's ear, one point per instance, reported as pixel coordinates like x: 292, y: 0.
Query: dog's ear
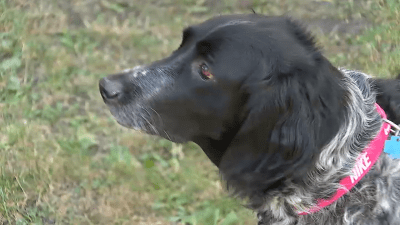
x: 290, y: 117
x: 388, y: 97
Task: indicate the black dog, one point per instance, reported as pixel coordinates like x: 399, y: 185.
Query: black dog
x: 280, y: 122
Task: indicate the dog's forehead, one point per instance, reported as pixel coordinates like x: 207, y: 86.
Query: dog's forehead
x: 239, y: 24
x: 228, y: 20
x: 220, y: 22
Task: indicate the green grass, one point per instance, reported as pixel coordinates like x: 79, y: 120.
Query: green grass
x: 64, y: 160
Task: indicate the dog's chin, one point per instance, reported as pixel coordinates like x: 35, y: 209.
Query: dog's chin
x: 127, y: 125
x: 151, y: 130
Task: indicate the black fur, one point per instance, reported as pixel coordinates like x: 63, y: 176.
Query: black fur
x: 388, y: 97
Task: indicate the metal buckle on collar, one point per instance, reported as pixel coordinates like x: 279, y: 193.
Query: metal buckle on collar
x: 392, y: 146
x: 395, y: 128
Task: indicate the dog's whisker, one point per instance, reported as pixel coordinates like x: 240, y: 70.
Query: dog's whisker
x: 151, y: 126
x: 166, y: 133
x: 148, y: 122
x: 158, y: 116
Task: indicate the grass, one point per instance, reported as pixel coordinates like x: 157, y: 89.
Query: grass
x: 64, y: 160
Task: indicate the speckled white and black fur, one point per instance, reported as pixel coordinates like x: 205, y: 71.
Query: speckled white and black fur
x: 375, y: 200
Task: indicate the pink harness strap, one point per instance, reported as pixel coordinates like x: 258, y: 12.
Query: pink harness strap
x: 363, y: 164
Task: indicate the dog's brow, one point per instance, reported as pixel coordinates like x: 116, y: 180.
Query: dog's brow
x: 231, y: 23
x: 235, y: 22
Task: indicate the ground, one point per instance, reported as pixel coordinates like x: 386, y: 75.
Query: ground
x: 64, y: 160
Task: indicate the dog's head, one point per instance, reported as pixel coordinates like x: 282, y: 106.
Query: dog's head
x: 253, y: 91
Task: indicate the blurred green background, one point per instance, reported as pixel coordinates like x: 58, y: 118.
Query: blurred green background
x: 64, y: 160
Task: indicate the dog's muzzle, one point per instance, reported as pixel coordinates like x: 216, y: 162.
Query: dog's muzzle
x: 134, y: 84
x: 117, y: 88
x: 131, y: 95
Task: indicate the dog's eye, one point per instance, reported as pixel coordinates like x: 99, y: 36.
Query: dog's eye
x: 205, y: 73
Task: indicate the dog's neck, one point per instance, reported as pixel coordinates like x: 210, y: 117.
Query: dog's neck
x: 337, y: 158
x: 364, y: 162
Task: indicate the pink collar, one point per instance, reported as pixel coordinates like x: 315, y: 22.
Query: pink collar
x: 363, y: 164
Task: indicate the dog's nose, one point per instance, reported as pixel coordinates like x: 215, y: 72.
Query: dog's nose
x: 110, y: 89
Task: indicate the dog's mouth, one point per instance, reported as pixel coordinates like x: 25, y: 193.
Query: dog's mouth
x: 125, y: 124
x: 145, y: 122
x: 136, y: 117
